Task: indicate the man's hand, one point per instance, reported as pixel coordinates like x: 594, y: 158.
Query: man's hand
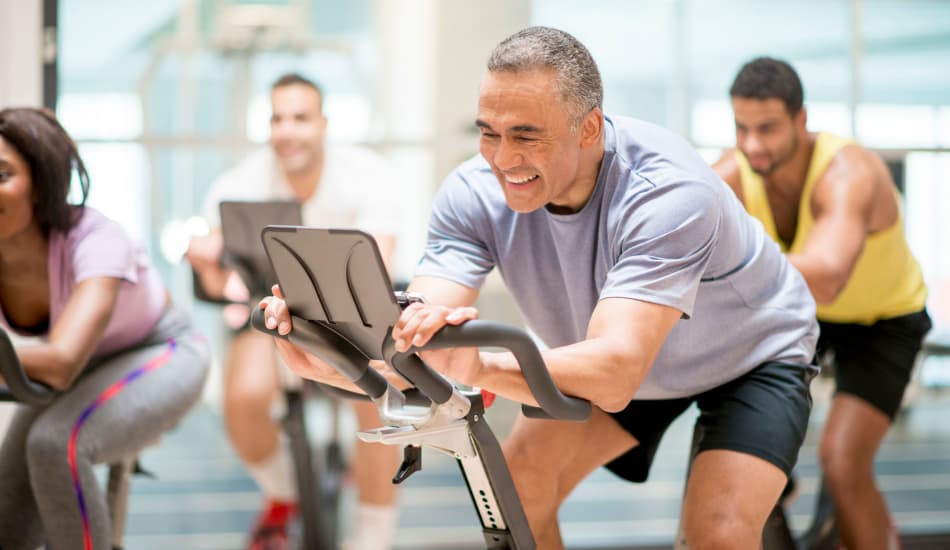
x: 204, y: 255
x: 419, y: 322
x: 306, y: 365
x: 205, y: 251
x: 276, y: 313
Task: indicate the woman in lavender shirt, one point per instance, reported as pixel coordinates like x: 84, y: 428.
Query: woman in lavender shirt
x: 126, y: 363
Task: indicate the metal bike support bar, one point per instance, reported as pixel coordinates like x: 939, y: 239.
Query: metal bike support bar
x: 20, y: 387
x: 553, y: 403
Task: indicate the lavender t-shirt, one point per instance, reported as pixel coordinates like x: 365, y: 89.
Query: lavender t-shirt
x: 99, y: 247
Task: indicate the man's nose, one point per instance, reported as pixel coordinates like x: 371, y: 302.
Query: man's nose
x: 507, y: 156
x: 752, y: 143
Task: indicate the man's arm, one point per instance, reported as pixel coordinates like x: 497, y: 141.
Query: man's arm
x: 728, y: 169
x: 623, y: 339
x: 277, y: 316
x: 204, y: 255
x: 842, y: 204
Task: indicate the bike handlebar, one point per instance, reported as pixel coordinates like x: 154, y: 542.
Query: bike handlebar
x: 19, y: 387
x: 476, y: 333
x: 330, y: 347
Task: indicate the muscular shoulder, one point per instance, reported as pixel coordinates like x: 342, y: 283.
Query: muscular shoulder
x: 851, y: 170
x: 851, y: 162
x: 854, y: 180
x: 727, y: 167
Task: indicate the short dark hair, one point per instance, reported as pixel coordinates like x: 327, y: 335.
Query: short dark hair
x: 290, y: 79
x: 51, y: 156
x: 543, y: 47
x: 767, y: 78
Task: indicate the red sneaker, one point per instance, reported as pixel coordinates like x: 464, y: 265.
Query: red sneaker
x: 270, y: 529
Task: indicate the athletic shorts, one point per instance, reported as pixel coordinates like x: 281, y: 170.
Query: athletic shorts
x: 874, y: 362
x: 763, y: 413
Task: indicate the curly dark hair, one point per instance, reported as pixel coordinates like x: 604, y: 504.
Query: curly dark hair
x: 767, y: 78
x: 52, y: 157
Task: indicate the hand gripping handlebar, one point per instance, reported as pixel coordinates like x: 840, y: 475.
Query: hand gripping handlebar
x: 333, y: 348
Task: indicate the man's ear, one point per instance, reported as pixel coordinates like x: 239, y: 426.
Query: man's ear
x: 801, y: 120
x: 591, y: 127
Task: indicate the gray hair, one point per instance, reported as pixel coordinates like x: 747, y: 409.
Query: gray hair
x: 543, y: 47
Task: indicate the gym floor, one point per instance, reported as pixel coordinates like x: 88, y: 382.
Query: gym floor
x: 202, y: 499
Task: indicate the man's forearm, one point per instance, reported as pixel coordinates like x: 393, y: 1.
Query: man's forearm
x: 581, y: 370
x: 213, y: 279
x: 823, y: 282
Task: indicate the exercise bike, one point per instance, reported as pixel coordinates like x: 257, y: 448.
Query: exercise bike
x: 23, y: 390
x: 343, y: 310
x: 318, y: 468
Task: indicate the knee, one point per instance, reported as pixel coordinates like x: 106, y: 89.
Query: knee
x: 245, y: 398
x: 537, y: 487
x: 841, y: 465
x: 720, y: 532
x: 46, y: 447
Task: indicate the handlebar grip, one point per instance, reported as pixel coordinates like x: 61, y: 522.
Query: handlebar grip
x: 19, y: 386
x: 257, y: 321
x: 553, y: 403
x: 330, y: 347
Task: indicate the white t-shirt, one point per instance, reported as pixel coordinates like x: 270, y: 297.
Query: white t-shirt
x: 356, y: 190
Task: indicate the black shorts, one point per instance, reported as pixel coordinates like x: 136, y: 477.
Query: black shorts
x: 874, y: 362
x: 763, y: 413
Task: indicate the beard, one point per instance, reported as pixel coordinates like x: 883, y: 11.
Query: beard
x: 781, y: 158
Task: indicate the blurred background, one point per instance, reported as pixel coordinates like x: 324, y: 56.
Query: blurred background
x: 164, y: 95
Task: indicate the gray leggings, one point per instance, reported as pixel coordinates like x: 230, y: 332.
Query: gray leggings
x: 119, y: 404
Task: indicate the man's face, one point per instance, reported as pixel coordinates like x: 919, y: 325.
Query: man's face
x: 297, y: 126
x: 766, y: 133
x: 526, y: 138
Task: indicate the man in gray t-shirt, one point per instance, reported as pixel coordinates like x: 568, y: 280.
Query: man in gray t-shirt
x: 659, y: 226
x: 641, y: 271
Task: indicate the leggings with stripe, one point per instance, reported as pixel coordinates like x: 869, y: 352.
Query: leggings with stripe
x: 119, y: 405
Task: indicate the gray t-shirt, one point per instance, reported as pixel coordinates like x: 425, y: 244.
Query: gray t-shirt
x: 660, y: 227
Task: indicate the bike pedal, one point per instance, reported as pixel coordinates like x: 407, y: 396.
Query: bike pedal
x: 411, y: 463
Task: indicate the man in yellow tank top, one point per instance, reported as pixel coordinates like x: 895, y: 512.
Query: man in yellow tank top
x: 832, y: 206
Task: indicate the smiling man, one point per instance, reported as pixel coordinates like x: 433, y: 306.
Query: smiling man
x: 337, y: 186
x: 833, y: 207
x: 641, y: 272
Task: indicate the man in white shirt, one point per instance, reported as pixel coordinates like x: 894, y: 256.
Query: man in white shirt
x: 337, y: 187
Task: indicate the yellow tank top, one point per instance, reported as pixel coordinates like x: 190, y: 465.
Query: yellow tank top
x: 886, y: 281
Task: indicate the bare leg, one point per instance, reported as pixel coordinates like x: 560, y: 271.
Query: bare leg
x: 728, y: 498
x: 548, y: 458
x: 250, y: 385
x: 374, y: 464
x: 853, y: 433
